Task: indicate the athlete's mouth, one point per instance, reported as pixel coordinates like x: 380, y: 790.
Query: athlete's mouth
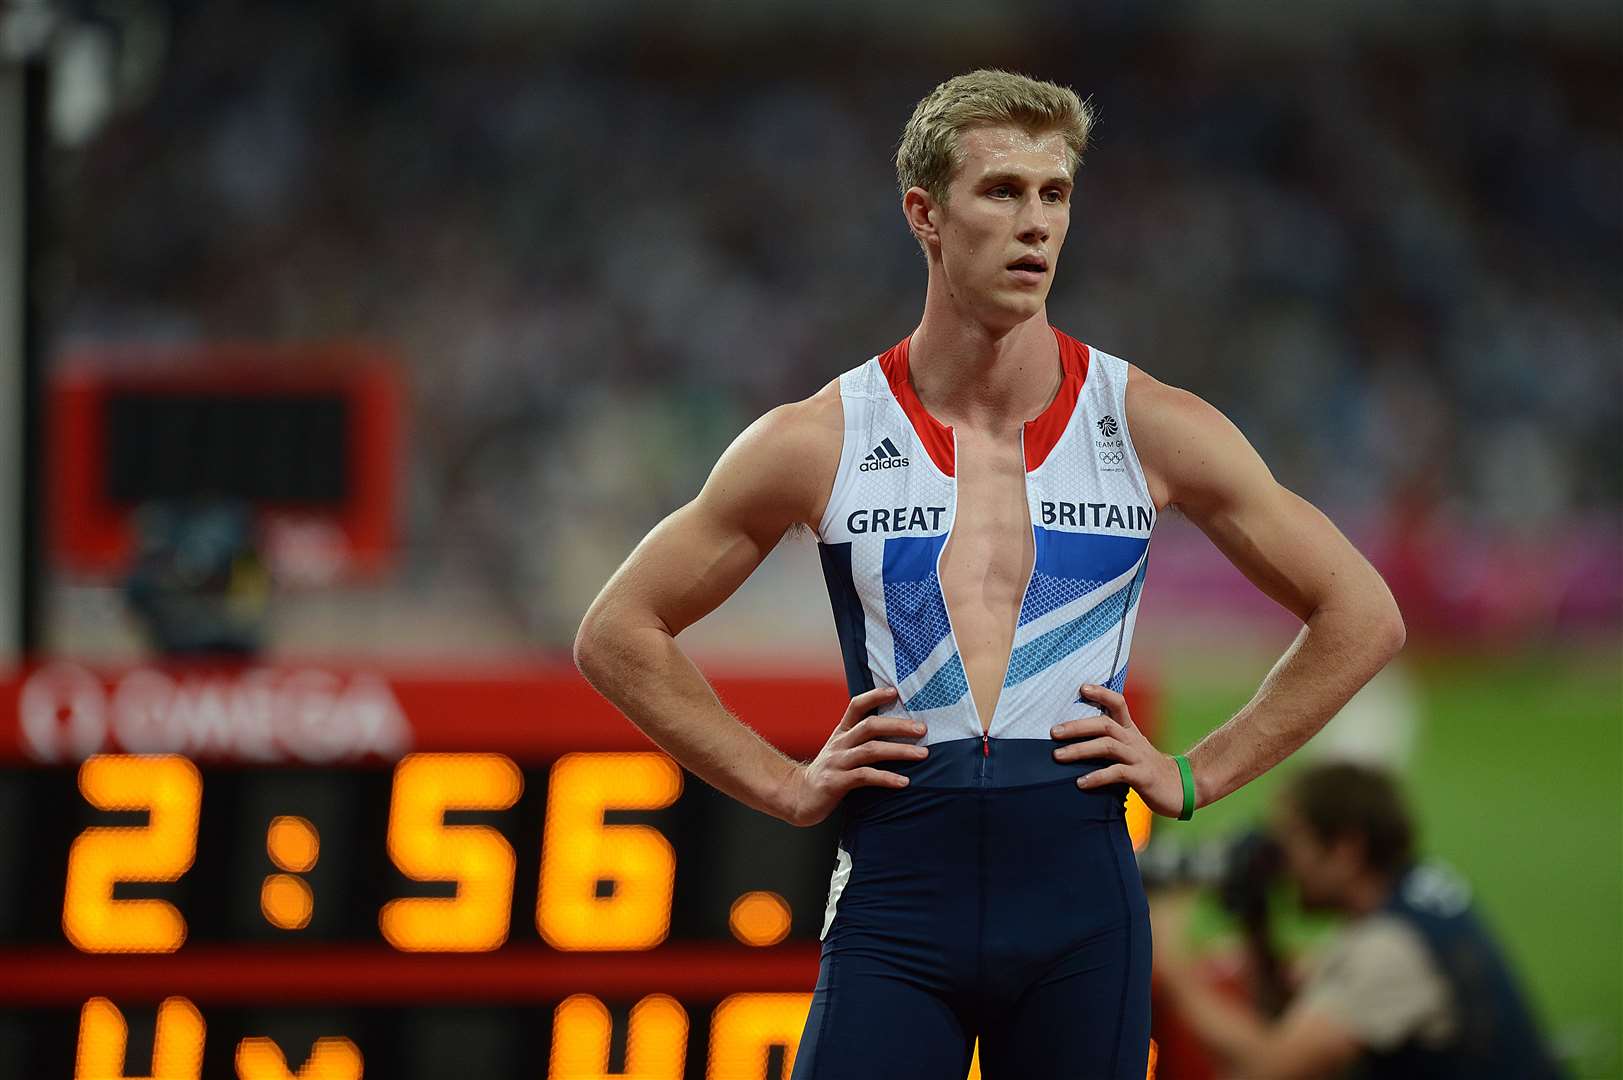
x: 1028, y: 272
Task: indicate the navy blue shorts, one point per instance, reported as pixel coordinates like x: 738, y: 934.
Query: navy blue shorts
x: 989, y: 899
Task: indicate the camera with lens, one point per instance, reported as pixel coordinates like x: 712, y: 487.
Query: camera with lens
x: 1240, y: 869
x: 1241, y: 872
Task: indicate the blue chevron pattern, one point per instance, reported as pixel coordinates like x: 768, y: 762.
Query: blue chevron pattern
x: 1048, y: 649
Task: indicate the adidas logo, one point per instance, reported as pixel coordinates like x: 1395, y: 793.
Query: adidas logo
x: 883, y: 456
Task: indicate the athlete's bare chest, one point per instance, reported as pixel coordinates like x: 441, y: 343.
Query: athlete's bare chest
x: 991, y: 531
x: 987, y: 559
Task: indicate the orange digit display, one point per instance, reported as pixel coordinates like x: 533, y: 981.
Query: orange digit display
x: 1140, y: 820
x: 293, y: 844
x: 259, y: 1058
x: 745, y: 1027
x: 759, y: 918
x: 606, y: 886
x: 170, y: 789
x: 177, y: 1044
x: 286, y: 900
x: 478, y: 858
x: 656, y: 1040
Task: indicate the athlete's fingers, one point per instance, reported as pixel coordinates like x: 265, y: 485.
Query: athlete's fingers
x: 1108, y: 700
x: 875, y: 726
x: 873, y: 778
x: 863, y: 704
x: 1110, y: 774
x: 1104, y: 746
x: 879, y: 750
x: 1081, y: 728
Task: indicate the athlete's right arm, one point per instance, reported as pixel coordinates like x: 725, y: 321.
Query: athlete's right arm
x: 776, y: 474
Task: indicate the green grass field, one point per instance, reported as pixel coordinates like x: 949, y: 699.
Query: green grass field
x: 1517, y: 779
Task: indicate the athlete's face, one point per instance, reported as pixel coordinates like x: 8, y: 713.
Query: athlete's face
x: 1009, y: 202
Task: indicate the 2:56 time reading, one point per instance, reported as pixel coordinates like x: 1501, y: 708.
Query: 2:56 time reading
x: 578, y: 851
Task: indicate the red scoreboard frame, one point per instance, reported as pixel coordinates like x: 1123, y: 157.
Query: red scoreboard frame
x: 92, y: 534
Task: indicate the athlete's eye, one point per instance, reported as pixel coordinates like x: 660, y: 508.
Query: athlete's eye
x: 1058, y: 195
x: 1003, y: 188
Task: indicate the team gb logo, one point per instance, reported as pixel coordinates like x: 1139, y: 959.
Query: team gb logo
x: 1107, y: 426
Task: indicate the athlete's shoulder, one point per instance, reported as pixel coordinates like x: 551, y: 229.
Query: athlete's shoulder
x: 1169, y: 416
x: 1184, y: 443
x: 812, y: 425
x: 782, y: 466
x: 1140, y: 380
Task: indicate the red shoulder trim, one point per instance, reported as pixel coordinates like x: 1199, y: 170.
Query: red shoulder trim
x: 1043, y: 433
x: 936, y: 436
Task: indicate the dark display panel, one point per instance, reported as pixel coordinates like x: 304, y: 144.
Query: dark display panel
x: 261, y: 447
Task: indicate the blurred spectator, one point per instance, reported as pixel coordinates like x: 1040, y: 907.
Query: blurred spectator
x: 198, y: 587
x: 1412, y: 985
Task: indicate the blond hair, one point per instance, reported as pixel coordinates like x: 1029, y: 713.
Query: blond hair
x: 929, y: 154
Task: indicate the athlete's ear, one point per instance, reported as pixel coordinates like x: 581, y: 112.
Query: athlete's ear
x: 923, y: 215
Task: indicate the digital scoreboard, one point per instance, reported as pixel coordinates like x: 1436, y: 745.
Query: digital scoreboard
x: 308, y: 435
x: 303, y: 871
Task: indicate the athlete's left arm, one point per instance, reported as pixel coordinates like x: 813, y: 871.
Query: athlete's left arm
x: 1197, y: 461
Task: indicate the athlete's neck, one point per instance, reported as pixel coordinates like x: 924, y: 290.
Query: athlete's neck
x: 968, y: 375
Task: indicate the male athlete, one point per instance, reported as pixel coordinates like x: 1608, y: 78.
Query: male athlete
x: 983, y: 493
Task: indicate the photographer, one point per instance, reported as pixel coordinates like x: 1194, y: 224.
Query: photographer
x: 1412, y: 985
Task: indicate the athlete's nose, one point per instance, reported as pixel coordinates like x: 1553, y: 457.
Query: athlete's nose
x: 1033, y: 221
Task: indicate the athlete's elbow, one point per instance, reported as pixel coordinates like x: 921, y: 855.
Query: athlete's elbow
x: 1395, y: 633
x: 1380, y: 629
x: 1368, y: 619
x: 611, y: 636
x: 1372, y: 614
x: 1386, y: 624
x: 591, y: 641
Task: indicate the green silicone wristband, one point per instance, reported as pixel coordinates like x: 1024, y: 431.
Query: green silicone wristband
x: 1188, y: 787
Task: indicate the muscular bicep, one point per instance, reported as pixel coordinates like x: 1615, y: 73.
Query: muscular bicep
x: 1277, y: 539
x: 691, y: 562
x: 774, y: 476
x: 1202, y: 465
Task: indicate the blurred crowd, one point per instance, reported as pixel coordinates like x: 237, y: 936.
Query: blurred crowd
x: 1395, y: 265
